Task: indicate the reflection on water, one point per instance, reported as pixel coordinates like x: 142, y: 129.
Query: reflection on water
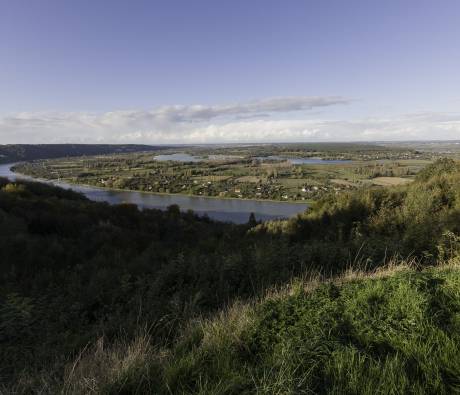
x: 233, y: 210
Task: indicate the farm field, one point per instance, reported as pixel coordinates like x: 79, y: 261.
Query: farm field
x: 387, y: 181
x: 274, y: 172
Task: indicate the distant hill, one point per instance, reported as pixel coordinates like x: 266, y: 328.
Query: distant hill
x: 20, y: 152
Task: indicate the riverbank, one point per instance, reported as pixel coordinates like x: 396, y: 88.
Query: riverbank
x: 219, y: 209
x: 69, y: 182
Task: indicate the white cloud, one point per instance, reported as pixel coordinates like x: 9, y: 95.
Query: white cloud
x: 201, y: 113
x: 247, y: 122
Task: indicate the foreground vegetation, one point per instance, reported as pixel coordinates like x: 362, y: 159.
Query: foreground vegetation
x: 394, y: 331
x: 154, y: 287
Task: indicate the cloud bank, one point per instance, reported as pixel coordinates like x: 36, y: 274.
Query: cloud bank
x: 264, y: 120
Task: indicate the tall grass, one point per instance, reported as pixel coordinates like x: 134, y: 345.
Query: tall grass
x: 392, y: 331
x: 111, y: 369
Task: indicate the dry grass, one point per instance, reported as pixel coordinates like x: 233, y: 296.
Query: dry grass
x: 100, y: 366
x: 227, y: 325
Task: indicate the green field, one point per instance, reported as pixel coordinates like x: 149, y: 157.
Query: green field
x: 242, y: 172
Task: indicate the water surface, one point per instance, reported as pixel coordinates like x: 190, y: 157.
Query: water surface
x: 232, y: 210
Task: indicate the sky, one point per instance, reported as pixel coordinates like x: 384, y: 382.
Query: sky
x: 215, y: 71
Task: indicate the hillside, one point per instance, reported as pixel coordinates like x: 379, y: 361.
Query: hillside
x: 155, y: 286
x: 24, y: 152
x: 393, y: 331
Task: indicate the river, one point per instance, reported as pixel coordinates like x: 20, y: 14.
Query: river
x: 231, y: 210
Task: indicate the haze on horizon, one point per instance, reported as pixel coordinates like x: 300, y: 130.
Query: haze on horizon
x: 177, y: 71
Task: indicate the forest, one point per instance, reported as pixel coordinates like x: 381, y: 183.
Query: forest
x: 10, y: 153
x: 361, y: 292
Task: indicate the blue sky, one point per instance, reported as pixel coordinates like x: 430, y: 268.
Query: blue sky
x: 224, y: 71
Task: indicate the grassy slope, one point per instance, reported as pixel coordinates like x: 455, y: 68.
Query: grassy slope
x: 394, y: 331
